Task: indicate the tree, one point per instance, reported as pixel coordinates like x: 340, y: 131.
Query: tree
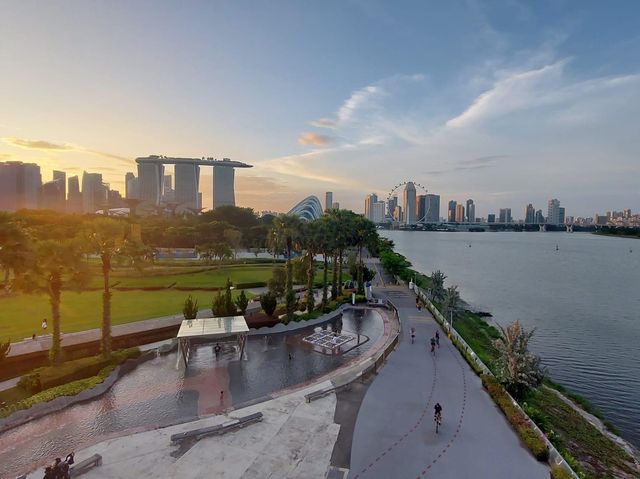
x: 278, y: 282
x: 326, y: 247
x: 288, y: 228
x: 15, y: 249
x: 517, y: 369
x: 57, y: 265
x: 451, y: 301
x: 311, y: 242
x: 105, y: 237
x: 190, y: 308
x: 268, y: 302
x: 223, y: 304
x: 242, y: 302
x: 233, y: 238
x: 364, y: 233
x: 436, y: 288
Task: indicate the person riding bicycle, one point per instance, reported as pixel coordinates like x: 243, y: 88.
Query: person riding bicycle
x: 433, y: 345
x: 437, y: 412
x: 438, y: 338
x: 413, y: 334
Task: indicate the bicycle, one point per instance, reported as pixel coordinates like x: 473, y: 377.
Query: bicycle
x: 433, y: 346
x: 413, y: 335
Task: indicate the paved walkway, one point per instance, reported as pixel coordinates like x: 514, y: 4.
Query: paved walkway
x: 394, y: 434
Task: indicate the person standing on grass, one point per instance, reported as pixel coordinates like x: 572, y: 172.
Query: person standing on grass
x: 44, y: 324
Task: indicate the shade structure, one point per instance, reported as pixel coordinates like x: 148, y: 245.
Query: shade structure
x: 211, y: 328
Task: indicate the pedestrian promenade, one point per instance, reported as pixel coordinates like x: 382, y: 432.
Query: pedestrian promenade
x: 395, y: 433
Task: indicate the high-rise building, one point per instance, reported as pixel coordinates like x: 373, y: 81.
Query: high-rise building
x: 223, y: 186
x: 491, y: 218
x: 433, y: 209
x: 421, y: 208
x: 186, y: 187
x: 336, y: 205
x: 94, y: 193
x: 539, y: 217
x: 378, y: 212
x: 391, y: 206
x: 369, y: 201
x: 20, y: 185
x: 61, y: 176
x: 505, y: 215
x: 397, y: 214
x: 150, y: 181
x: 328, y: 200
x: 553, y: 212
x: 52, y: 195
x: 529, y: 214
x: 460, y: 213
x: 451, y: 211
x: 74, y: 197
x: 409, y: 203
x: 561, y: 216
x: 471, y: 211
x: 168, y: 193
x: 131, y: 186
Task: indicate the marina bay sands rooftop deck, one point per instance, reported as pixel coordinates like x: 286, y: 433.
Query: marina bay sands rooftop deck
x: 160, y: 159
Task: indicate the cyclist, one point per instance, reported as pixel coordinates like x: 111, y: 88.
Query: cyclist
x: 438, y: 338
x: 413, y: 335
x: 437, y: 415
x: 433, y: 346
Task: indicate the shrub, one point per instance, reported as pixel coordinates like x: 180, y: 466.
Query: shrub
x: 527, y: 433
x: 190, y: 308
x: 281, y: 309
x: 559, y: 473
x: 255, y: 284
x: 242, y: 302
x: 4, y: 350
x: 302, y: 305
x: 268, y: 302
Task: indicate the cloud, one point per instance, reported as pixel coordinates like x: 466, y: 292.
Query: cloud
x: 324, y: 123
x: 309, y: 138
x: 43, y: 145
x: 472, y: 164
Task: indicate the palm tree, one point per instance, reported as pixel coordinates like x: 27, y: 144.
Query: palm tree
x: 517, y: 368
x: 106, y: 237
x: 287, y: 227
x: 436, y: 288
x: 344, y: 238
x: 311, y: 242
x: 326, y: 245
x: 364, y: 233
x: 57, y: 265
x: 15, y: 249
x: 451, y: 302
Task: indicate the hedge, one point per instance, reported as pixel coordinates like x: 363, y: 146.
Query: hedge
x: 527, y: 433
x: 255, y: 284
x: 48, y: 377
x: 558, y: 472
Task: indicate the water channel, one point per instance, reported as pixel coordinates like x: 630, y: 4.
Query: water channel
x: 580, y: 291
x: 156, y: 393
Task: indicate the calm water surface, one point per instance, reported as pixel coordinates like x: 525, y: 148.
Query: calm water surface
x: 583, y: 300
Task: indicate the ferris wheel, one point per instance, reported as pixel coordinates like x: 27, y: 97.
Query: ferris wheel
x: 420, y: 190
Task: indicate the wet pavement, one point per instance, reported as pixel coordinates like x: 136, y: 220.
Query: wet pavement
x: 157, y: 394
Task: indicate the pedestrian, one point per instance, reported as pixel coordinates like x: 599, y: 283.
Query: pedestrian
x: 33, y: 336
x: 216, y: 350
x: 44, y: 324
x: 221, y: 397
x: 438, y: 338
x: 418, y: 303
x: 290, y: 356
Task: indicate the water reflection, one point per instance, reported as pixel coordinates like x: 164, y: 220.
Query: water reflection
x: 157, y: 394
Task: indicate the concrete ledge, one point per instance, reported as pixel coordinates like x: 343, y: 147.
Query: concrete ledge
x: 217, y: 430
x: 295, y: 325
x: 86, y: 465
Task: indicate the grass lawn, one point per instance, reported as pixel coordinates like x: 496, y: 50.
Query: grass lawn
x: 20, y: 316
x: 479, y: 336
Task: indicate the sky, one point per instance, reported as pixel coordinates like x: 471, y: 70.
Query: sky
x: 504, y: 102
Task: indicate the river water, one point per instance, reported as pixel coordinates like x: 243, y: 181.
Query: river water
x: 580, y: 291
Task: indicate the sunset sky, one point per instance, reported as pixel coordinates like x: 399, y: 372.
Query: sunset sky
x: 505, y: 102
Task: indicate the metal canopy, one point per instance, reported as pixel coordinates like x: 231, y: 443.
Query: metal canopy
x: 213, y: 328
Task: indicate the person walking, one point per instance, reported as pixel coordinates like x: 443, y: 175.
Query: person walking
x: 438, y: 338
x: 433, y: 346
x: 44, y: 324
x: 413, y: 334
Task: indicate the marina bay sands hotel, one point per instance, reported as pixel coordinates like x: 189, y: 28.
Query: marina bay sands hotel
x: 151, y: 180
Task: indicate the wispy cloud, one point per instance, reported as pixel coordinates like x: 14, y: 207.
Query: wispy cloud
x: 313, y: 139
x: 324, y: 123
x: 44, y: 145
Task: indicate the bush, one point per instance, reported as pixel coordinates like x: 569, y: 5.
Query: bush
x: 281, y: 309
x: 190, y: 308
x: 48, y: 377
x: 268, y: 302
x: 527, y: 433
x: 255, y: 284
x: 559, y: 473
x: 302, y: 305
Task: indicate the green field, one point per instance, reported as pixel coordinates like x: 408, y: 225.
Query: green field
x: 20, y: 316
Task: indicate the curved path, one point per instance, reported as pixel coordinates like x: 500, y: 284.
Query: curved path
x: 394, y: 434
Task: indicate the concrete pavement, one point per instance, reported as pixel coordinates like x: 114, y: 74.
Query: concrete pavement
x: 394, y: 434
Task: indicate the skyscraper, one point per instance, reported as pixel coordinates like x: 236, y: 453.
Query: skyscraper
x: 223, y: 185
x: 53, y: 194
x: 421, y: 208
x: 150, y: 177
x: 186, y: 187
x: 20, y: 185
x: 561, y: 216
x: 539, y: 218
x: 460, y: 213
x: 505, y: 215
x: 378, y: 212
x: 529, y: 214
x: 369, y: 201
x: 94, y: 193
x: 74, y: 197
x: 410, y: 203
x: 433, y: 209
x: 328, y: 200
x: 61, y: 176
x: 471, y: 211
x: 553, y: 212
x: 491, y: 218
x: 131, y: 186
x: 168, y: 193
x: 391, y: 206
x: 397, y: 214
x: 451, y: 212
x: 336, y: 205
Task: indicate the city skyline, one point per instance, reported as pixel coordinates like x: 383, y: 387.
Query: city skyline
x: 506, y: 103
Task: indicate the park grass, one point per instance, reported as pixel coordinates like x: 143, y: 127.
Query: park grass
x: 479, y: 336
x: 21, y: 315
